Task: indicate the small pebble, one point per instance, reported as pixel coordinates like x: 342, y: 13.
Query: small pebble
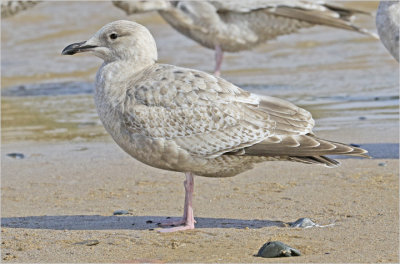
x: 88, y: 242
x: 276, y: 249
x: 15, y: 155
x: 174, y: 244
x: 120, y: 212
x: 81, y: 149
x: 303, y: 223
x: 149, y: 222
x: 9, y: 257
x: 362, y: 118
x: 382, y: 164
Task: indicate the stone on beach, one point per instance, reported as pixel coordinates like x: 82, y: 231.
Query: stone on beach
x: 276, y: 249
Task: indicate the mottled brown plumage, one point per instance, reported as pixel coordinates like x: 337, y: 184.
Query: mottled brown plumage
x: 189, y: 121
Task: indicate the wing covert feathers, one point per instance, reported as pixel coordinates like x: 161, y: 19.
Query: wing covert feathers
x: 208, y: 117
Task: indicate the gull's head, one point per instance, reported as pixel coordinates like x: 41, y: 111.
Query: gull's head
x: 120, y: 40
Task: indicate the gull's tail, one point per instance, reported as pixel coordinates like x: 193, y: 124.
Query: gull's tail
x: 303, y: 148
x: 334, y: 16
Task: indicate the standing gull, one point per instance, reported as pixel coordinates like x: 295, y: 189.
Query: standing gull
x: 241, y: 25
x: 388, y: 25
x: 189, y: 121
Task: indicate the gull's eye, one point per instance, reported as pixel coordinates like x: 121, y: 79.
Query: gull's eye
x: 113, y: 36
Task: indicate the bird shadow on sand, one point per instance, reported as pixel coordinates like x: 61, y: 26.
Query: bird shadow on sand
x: 99, y: 222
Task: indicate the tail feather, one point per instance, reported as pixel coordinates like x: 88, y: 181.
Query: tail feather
x: 302, y: 148
x: 321, y: 160
x: 302, y: 145
x: 346, y: 12
x: 339, y: 17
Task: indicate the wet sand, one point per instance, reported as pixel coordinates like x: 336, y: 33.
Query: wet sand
x: 61, y: 194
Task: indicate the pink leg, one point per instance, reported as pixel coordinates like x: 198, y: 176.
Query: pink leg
x: 187, y: 221
x: 219, y: 55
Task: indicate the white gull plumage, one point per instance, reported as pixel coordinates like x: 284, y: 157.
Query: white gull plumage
x: 241, y: 25
x: 185, y: 120
x: 388, y: 25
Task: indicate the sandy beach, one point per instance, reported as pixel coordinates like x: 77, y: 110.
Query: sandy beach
x: 57, y: 203
x: 63, y: 194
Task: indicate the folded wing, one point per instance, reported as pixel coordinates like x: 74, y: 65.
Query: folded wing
x: 313, y: 12
x: 208, y: 117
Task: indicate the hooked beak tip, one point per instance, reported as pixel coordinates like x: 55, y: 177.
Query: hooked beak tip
x: 76, y: 48
x: 67, y: 52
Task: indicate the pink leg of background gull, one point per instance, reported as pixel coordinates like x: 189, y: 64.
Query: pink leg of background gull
x: 219, y: 55
x: 187, y: 221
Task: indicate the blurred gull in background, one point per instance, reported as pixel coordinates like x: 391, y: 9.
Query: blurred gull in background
x: 387, y: 23
x: 241, y: 25
x: 10, y: 8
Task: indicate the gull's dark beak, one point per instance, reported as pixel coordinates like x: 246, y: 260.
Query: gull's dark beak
x: 76, y: 48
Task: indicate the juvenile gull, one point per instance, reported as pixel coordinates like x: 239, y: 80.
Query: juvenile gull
x: 241, y: 25
x: 189, y: 121
x: 388, y: 25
